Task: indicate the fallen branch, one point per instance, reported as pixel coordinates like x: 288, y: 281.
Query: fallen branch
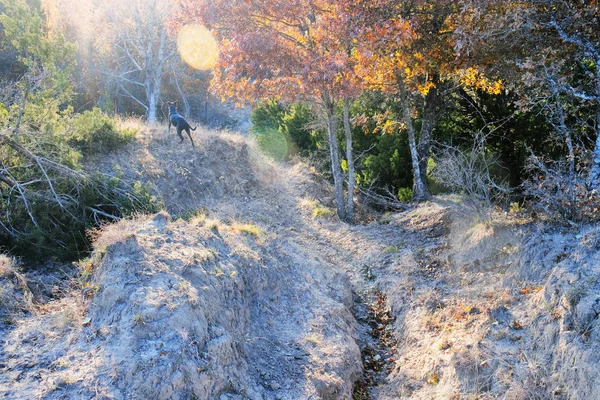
x: 102, y: 213
x: 388, y: 200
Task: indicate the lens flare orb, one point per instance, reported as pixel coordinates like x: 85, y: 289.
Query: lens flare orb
x: 197, y: 47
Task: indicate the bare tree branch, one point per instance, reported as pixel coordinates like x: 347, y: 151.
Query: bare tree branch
x: 388, y: 200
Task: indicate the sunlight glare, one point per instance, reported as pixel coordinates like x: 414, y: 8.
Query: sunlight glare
x: 197, y: 47
x: 273, y: 143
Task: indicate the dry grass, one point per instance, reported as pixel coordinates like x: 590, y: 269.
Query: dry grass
x: 195, y: 273
x: 458, y: 331
x: 323, y: 212
x: 212, y: 224
x: 134, y: 123
x: 15, y: 295
x: 308, y: 203
x: 507, y: 297
x: 195, y: 216
x: 315, y: 207
x: 248, y: 229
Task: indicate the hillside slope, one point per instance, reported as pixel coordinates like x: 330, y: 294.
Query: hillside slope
x: 258, y: 292
x: 222, y: 303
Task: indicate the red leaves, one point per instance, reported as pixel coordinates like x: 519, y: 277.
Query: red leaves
x: 292, y: 49
x: 280, y: 48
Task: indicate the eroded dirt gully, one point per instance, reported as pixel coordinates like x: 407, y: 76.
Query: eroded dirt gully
x: 249, y: 298
x: 253, y: 295
x: 360, y: 265
x: 382, y: 259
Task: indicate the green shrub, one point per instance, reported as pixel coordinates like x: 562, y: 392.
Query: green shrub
x: 405, y: 195
x: 267, y: 115
x: 266, y: 119
x: 95, y: 132
x: 60, y: 233
x: 295, y: 124
x: 435, y: 187
x: 283, y: 131
x: 3, y: 116
x: 388, y: 164
x: 142, y: 200
x: 130, y: 197
x: 391, y: 249
x: 58, y: 228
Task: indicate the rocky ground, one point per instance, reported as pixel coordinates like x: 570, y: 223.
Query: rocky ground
x: 248, y: 287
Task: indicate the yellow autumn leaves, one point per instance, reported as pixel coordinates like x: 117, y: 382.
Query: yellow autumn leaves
x: 473, y: 78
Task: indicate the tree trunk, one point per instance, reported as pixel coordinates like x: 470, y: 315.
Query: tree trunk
x: 420, y: 191
x: 153, y: 85
x: 595, y: 172
x: 350, y: 160
x: 152, y: 106
x: 561, y: 125
x: 336, y: 170
x: 206, y: 108
x: 427, y: 127
x: 154, y: 66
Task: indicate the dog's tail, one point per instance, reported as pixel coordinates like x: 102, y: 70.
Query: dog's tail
x: 193, y: 128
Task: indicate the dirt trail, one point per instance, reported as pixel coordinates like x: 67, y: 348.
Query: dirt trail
x: 451, y: 307
x: 248, y: 288
x: 233, y: 302
x: 375, y: 257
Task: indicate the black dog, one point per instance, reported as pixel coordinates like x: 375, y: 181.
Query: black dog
x: 179, y: 122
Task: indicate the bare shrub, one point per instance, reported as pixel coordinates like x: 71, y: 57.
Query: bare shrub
x: 469, y: 172
x: 475, y: 371
x: 560, y: 191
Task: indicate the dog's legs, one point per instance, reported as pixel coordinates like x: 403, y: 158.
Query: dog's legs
x: 187, y: 129
x: 179, y: 133
x: 169, y: 126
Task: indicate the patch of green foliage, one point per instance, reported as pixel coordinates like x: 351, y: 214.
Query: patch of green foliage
x: 47, y: 200
x: 273, y: 143
x: 435, y: 187
x: 3, y: 116
x: 44, y: 228
x: 515, y: 208
x: 295, y: 124
x: 95, y: 132
x: 48, y: 60
x: 283, y: 131
x: 134, y: 196
x: 391, y: 249
x: 386, y: 161
x: 405, y: 195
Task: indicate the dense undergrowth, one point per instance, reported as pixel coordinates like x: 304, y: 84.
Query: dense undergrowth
x: 50, y: 191
x: 53, y: 198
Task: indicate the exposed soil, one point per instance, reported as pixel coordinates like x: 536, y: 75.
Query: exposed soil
x: 378, y: 348
x: 238, y: 291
